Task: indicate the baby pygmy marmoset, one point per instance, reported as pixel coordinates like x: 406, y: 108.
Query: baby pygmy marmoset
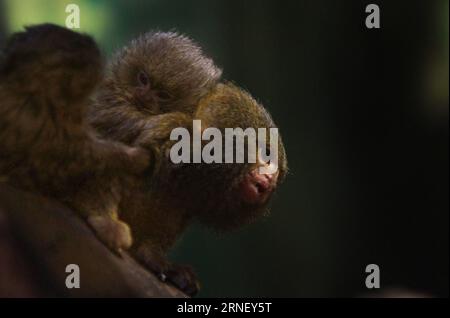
x: 47, y: 74
x: 160, y: 82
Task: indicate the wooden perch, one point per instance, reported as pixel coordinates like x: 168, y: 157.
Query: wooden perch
x: 40, y: 237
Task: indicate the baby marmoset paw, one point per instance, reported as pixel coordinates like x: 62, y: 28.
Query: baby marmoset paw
x: 140, y: 159
x: 114, y: 233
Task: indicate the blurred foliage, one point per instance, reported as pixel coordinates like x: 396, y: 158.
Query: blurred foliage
x: 95, y: 15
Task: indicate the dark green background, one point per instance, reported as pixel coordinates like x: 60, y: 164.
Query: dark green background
x: 364, y: 117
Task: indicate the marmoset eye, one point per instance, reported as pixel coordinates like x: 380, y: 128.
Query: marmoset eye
x: 143, y: 78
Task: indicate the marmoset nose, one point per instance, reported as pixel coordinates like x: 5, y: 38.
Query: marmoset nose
x: 256, y: 187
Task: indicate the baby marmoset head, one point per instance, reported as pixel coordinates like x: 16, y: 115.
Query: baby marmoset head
x: 162, y: 72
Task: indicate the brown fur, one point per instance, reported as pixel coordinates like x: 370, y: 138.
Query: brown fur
x: 159, y: 82
x: 160, y: 207
x: 47, y: 74
x: 176, y: 68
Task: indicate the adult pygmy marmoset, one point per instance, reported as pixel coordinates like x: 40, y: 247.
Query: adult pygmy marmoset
x: 160, y: 82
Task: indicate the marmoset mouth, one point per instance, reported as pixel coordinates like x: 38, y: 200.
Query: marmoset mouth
x: 256, y: 188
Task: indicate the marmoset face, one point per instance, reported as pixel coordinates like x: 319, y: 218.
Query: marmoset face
x: 163, y: 72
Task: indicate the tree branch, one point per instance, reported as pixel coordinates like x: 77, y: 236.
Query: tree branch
x: 40, y: 237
